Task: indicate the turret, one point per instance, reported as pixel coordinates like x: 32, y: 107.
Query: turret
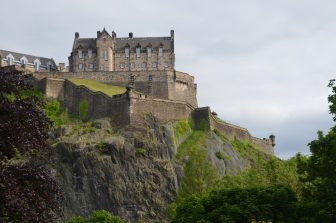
x: 130, y: 35
x: 272, y: 138
x: 76, y: 35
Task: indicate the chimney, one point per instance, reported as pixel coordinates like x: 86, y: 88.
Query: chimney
x: 172, y: 34
x: 114, y: 35
x: 76, y: 35
x: 130, y: 35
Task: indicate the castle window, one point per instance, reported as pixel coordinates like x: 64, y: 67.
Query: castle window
x: 80, y: 54
x: 80, y: 66
x: 166, y: 65
x: 144, y: 65
x: 160, y: 52
x: 122, y: 65
x: 127, y: 51
x: 102, y: 67
x: 154, y: 65
x: 132, y: 65
x: 138, y: 52
x: 149, y: 52
x: 150, y: 77
x: 105, y: 55
x: 89, y: 53
x: 91, y: 66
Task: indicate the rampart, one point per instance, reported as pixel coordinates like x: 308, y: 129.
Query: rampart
x: 204, y: 118
x: 171, y: 85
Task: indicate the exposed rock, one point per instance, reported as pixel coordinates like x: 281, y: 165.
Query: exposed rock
x: 131, y: 173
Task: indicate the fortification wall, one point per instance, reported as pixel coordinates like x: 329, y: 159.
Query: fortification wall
x: 100, y: 105
x: 182, y: 87
x: 159, y: 84
x: 164, y: 110
x: 203, y: 118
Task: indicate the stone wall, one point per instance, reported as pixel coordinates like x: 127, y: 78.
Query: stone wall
x: 171, y: 85
x: 100, y: 105
x: 203, y: 118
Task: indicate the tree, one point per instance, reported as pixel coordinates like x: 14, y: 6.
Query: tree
x: 318, y: 172
x: 276, y: 204
x: 98, y: 217
x: 28, y: 192
x: 23, y: 125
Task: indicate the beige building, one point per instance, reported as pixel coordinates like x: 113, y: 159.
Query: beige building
x: 30, y: 62
x: 109, y: 53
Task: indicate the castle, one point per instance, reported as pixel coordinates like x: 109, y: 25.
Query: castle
x: 145, y: 68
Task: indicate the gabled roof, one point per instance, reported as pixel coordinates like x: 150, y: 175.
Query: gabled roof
x: 30, y: 58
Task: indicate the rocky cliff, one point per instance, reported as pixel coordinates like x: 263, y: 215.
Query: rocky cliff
x: 132, y: 172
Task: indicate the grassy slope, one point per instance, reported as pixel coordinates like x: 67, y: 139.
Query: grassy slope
x: 98, y: 86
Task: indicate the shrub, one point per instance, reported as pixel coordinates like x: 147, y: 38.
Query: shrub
x: 140, y: 151
x: 98, y: 217
x: 83, y: 110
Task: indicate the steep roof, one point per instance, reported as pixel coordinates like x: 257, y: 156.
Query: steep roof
x: 30, y: 58
x: 144, y: 42
x: 85, y: 43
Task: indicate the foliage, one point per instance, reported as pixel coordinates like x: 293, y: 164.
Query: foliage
x: 197, y: 139
x: 54, y: 112
x: 23, y: 125
x: 98, y: 86
x: 276, y: 204
x: 222, y: 156
x: 318, y: 172
x: 28, y: 193
x: 265, y: 173
x: 103, y: 149
x: 199, y: 174
x: 181, y: 128
x: 140, y: 152
x: 98, y: 217
x: 83, y: 110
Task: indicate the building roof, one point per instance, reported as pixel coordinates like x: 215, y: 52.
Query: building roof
x: 85, y: 43
x: 30, y: 58
x: 155, y: 42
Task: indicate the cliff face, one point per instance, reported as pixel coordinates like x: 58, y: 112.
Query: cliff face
x: 131, y: 172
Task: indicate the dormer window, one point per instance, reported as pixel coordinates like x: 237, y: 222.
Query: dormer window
x: 23, y: 60
x: 10, y: 59
x: 149, y: 52
x: 37, y: 65
x: 137, y: 52
x: 80, y: 54
x: 127, y: 51
x: 160, y: 52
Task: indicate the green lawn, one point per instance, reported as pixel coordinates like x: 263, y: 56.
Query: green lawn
x: 98, y: 86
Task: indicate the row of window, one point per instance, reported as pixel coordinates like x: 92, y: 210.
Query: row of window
x: 24, y: 61
x: 143, y: 65
x: 104, y: 54
x: 91, y: 66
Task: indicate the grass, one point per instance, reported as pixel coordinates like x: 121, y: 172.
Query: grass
x: 197, y: 139
x: 96, y: 86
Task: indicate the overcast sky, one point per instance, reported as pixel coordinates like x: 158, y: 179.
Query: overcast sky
x: 261, y: 64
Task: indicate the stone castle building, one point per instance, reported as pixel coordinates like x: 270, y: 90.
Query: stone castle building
x: 144, y: 67
x: 29, y: 62
x: 110, y: 53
